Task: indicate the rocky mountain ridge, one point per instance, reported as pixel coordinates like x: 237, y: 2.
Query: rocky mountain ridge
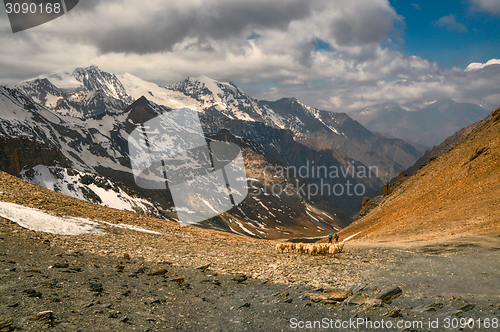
x: 226, y: 100
x: 84, y: 114
x: 99, y: 145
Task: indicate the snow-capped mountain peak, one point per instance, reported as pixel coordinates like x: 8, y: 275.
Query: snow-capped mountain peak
x: 87, y: 79
x: 63, y: 79
x: 94, y: 79
x: 217, y: 88
x: 137, y: 87
x: 219, y: 98
x: 210, y: 84
x: 203, y: 85
x: 82, y: 93
x: 43, y: 91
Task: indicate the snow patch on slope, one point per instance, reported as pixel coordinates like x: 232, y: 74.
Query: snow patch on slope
x: 350, y: 237
x: 58, y: 179
x: 318, y: 115
x: 43, y: 222
x: 137, y: 88
x: 243, y: 227
x: 63, y: 79
x: 211, y: 85
x: 40, y: 221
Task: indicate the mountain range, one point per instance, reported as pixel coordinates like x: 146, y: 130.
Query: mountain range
x: 86, y: 114
x: 108, y: 92
x: 88, y: 159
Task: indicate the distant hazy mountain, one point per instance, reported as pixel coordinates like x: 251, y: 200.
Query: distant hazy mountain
x: 83, y: 93
x: 428, y: 124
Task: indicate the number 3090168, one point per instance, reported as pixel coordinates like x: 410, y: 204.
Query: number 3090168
x: 33, y: 8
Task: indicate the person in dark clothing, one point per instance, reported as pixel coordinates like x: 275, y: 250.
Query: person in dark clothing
x: 337, y: 238
x: 330, y: 238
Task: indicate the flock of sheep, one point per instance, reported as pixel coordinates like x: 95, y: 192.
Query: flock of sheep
x: 311, y: 248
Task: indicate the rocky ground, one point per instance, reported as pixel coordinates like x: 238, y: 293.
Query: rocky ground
x: 126, y: 281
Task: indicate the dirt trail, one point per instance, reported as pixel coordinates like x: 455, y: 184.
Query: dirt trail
x: 461, y: 267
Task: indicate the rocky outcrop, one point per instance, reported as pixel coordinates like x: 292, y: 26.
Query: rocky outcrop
x: 17, y: 154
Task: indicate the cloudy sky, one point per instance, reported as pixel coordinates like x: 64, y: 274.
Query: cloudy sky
x: 337, y: 55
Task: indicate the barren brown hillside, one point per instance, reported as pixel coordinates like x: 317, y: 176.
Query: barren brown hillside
x: 457, y: 194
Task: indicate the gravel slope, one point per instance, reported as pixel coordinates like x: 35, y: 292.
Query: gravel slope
x: 108, y: 282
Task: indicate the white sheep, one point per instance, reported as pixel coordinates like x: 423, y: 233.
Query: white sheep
x: 280, y: 246
x: 311, y: 248
x: 333, y: 249
x: 341, y: 246
x: 323, y: 248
